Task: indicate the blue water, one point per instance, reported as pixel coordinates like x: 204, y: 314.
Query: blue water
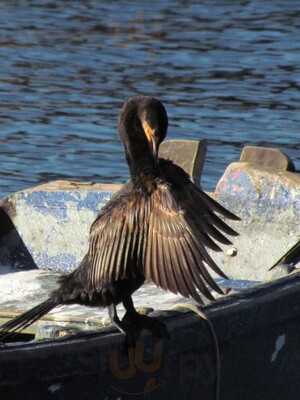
x: 228, y: 71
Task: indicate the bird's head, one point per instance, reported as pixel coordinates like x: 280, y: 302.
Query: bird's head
x: 143, y: 126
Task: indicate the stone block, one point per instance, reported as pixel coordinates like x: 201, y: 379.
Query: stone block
x: 267, y: 157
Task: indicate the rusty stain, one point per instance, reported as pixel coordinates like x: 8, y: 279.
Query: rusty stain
x: 153, y: 366
x: 115, y: 368
x: 136, y: 361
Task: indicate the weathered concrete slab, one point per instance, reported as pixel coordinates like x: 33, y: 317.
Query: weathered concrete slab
x: 268, y: 203
x: 54, y: 223
x: 267, y: 157
x: 189, y: 154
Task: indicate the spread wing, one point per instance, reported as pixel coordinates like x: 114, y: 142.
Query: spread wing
x: 162, y: 235
x: 117, y: 238
x: 182, y: 224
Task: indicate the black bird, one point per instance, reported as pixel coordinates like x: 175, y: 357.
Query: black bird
x: 157, y: 228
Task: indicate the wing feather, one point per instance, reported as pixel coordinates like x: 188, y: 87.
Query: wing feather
x: 117, y: 240
x: 163, y: 234
x: 215, y: 206
x: 160, y: 257
x: 200, y: 279
x: 180, y: 230
x: 166, y: 259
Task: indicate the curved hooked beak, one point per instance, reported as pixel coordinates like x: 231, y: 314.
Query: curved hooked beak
x: 151, y: 137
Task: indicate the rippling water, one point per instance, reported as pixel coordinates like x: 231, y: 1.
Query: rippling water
x: 228, y: 71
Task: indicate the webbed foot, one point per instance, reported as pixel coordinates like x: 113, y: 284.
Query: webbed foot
x: 139, y: 322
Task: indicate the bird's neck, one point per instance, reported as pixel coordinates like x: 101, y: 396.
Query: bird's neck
x: 139, y: 157
x: 145, y: 181
x: 142, y: 167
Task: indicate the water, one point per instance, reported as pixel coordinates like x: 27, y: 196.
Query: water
x: 228, y: 71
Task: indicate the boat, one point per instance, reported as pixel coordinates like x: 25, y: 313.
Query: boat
x: 74, y: 352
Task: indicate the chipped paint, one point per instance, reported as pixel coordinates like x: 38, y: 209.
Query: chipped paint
x: 280, y: 342
x: 57, y: 237
x: 54, y: 387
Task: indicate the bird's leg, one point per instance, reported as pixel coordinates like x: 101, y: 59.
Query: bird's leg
x: 115, y: 320
x: 123, y: 326
x: 140, y: 322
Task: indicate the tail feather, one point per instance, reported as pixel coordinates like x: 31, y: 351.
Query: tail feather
x: 26, y: 319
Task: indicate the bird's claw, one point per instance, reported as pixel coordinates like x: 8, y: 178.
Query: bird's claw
x: 140, y: 322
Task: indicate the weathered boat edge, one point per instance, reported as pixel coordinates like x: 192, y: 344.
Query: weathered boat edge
x: 258, y: 330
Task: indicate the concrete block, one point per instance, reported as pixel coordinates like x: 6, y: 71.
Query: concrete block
x: 268, y: 202
x: 189, y: 154
x: 266, y: 157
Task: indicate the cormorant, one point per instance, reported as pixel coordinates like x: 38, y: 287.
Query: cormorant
x: 157, y: 228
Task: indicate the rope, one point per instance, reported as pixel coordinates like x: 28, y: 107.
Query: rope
x: 196, y: 309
